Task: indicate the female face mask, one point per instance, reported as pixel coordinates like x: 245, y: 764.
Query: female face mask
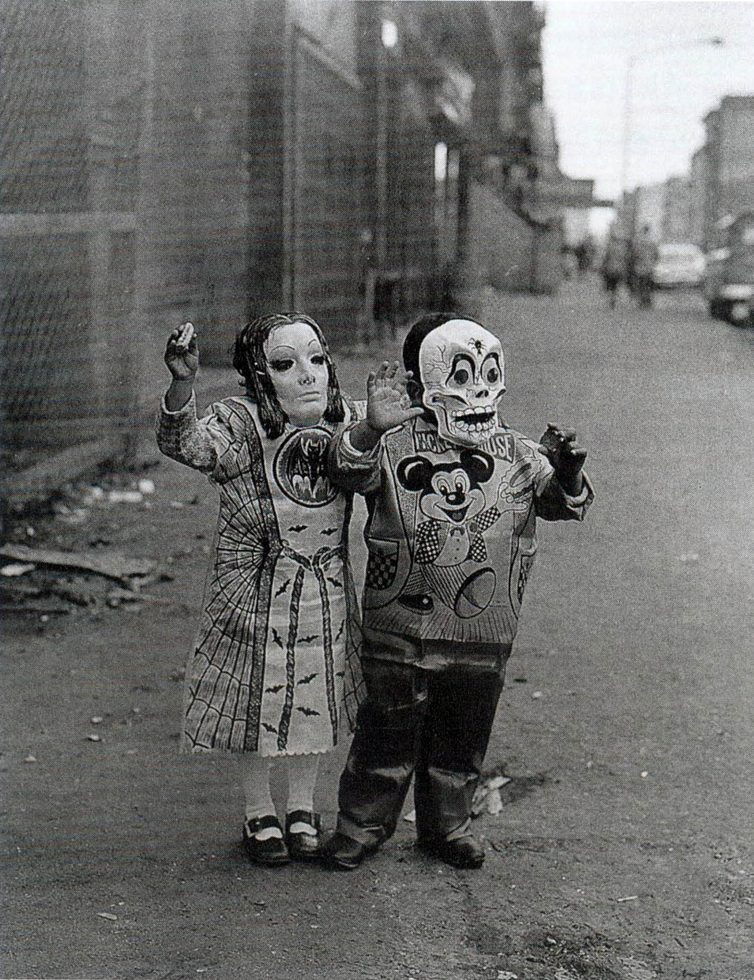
x: 298, y: 371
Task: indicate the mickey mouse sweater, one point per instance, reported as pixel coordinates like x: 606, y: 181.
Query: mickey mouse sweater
x: 451, y: 535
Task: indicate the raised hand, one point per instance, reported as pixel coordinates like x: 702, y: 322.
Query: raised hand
x: 182, y: 353
x: 566, y: 456
x: 388, y: 404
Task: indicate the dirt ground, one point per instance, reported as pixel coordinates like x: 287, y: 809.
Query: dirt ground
x: 623, y: 850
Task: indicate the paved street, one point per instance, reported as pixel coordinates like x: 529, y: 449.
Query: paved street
x: 624, y: 849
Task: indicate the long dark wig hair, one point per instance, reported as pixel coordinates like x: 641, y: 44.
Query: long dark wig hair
x: 250, y: 362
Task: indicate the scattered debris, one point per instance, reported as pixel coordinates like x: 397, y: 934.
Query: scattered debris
x: 97, y: 720
x: 108, y: 915
x: 16, y: 568
x: 70, y: 515
x: 487, y: 796
x: 146, y: 486
x: 44, y: 612
x: 506, y: 975
x: 30, y: 758
x: 20, y: 590
x: 536, y: 695
x: 125, y: 496
x: 94, y: 738
x: 644, y: 774
x: 690, y: 556
x: 114, y: 566
x: 116, y: 596
x: 628, y: 898
x: 76, y: 590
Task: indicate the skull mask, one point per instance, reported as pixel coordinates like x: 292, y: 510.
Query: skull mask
x: 462, y: 372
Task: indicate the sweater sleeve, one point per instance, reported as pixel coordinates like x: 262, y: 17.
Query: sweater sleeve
x: 350, y: 469
x: 198, y: 443
x: 554, y: 504
x: 551, y: 502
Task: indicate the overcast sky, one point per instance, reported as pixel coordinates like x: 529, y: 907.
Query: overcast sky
x: 586, y: 50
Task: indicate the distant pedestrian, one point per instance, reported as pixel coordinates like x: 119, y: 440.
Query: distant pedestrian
x: 614, y: 267
x: 644, y: 254
x: 276, y: 658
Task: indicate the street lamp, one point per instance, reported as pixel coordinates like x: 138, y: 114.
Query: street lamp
x: 715, y: 42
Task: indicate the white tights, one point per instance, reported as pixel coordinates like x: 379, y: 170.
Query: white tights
x: 302, y: 778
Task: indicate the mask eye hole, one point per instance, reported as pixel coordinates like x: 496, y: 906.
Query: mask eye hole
x: 281, y: 364
x: 492, y: 375
x: 461, y: 376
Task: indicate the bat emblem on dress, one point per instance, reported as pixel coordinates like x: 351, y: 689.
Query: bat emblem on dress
x: 298, y: 527
x: 329, y: 530
x: 269, y: 728
x: 309, y: 639
x: 277, y: 638
x: 274, y: 689
x: 283, y: 587
x: 308, y: 679
x: 300, y: 468
x: 307, y: 711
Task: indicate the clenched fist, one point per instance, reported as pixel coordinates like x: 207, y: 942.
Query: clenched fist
x: 182, y: 353
x: 566, y: 456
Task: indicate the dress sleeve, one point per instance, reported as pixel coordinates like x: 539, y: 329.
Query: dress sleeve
x: 195, y: 442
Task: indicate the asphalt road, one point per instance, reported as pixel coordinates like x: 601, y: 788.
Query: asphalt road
x: 624, y: 849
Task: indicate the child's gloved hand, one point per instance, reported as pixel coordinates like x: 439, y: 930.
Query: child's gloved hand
x: 388, y: 404
x: 182, y: 353
x: 566, y: 456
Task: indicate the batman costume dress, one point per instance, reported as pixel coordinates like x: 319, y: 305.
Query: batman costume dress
x: 275, y: 660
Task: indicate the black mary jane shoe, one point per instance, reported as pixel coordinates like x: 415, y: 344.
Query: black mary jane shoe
x: 271, y: 851
x: 303, y: 847
x: 462, y: 852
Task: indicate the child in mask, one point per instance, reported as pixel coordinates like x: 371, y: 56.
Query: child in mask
x: 276, y: 656
x: 453, y: 497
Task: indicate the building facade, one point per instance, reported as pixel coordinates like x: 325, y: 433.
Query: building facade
x: 215, y: 160
x: 729, y: 163
x: 676, y: 213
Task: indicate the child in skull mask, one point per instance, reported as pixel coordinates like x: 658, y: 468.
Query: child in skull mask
x: 275, y: 659
x: 453, y: 498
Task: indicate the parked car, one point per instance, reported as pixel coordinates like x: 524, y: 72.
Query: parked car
x: 729, y: 281
x: 678, y: 265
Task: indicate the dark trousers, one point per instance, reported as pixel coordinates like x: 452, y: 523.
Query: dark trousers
x: 431, y: 724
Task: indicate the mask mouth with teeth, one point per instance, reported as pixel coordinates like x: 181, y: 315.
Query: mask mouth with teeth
x: 462, y: 376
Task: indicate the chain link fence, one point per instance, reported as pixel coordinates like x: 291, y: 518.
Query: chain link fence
x: 67, y: 227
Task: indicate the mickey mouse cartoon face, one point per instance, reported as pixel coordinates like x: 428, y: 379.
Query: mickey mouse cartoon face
x: 450, y: 492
